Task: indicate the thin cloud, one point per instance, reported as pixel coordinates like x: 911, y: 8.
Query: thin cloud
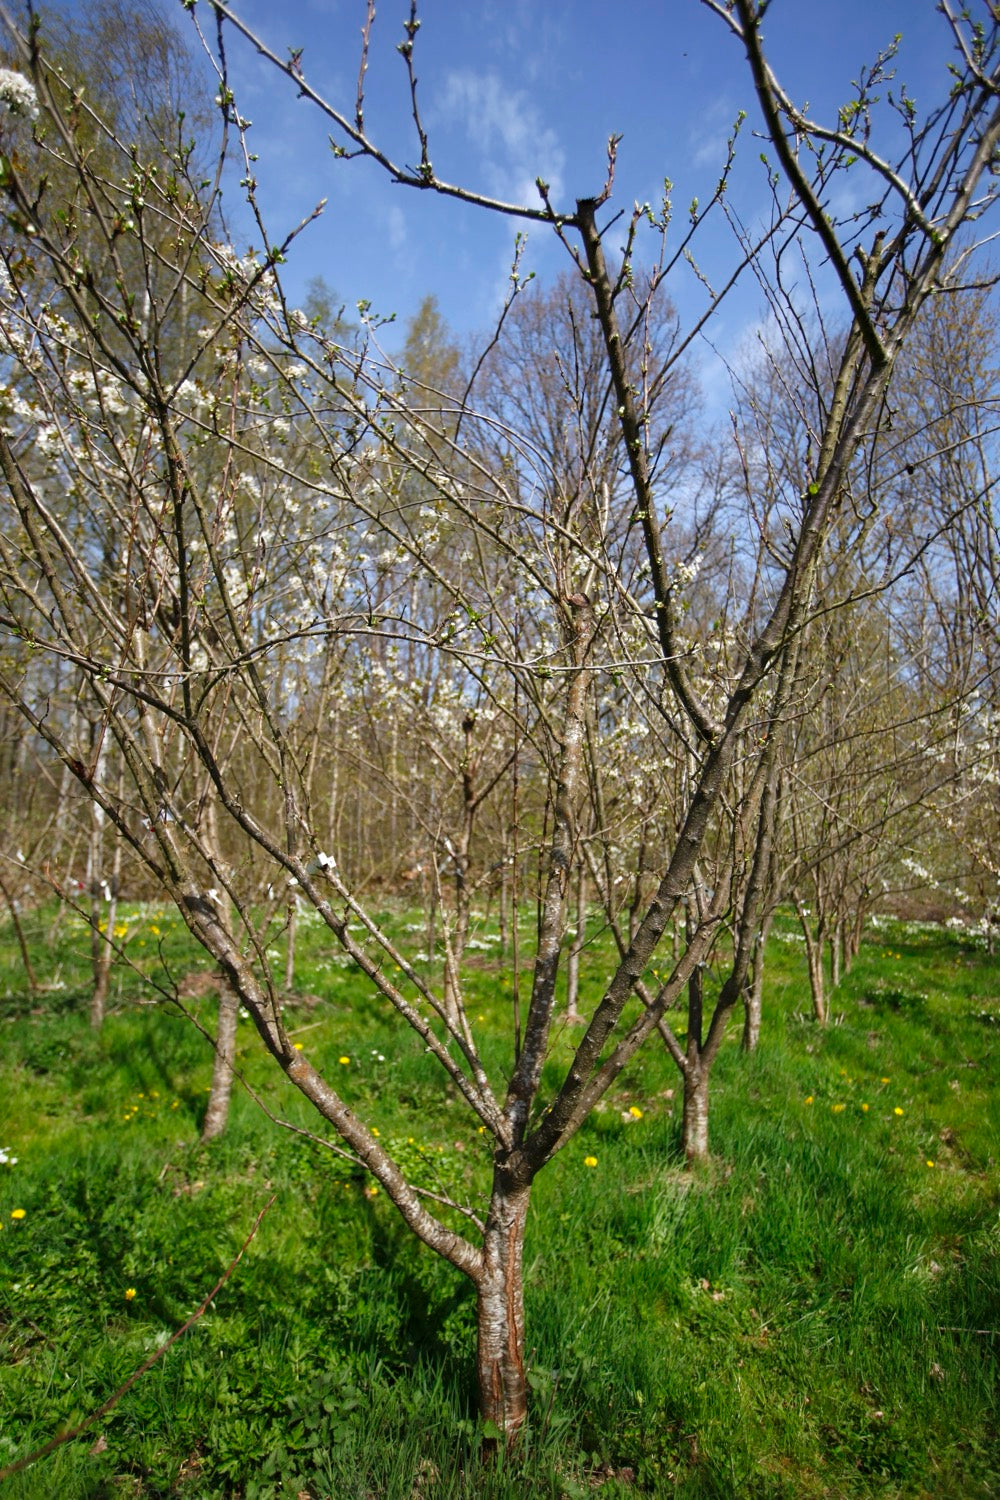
x: 506, y: 128
x: 396, y: 227
x: 711, y: 137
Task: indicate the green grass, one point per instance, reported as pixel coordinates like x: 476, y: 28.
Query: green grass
x: 815, y: 1315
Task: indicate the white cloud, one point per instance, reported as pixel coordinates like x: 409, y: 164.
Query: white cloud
x: 396, y: 226
x: 508, y: 132
x: 710, y: 137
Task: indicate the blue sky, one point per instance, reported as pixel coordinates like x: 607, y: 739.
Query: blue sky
x: 511, y: 91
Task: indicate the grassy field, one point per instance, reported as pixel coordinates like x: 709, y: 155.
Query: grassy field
x: 816, y: 1315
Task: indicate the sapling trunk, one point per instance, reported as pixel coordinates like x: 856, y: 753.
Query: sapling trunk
x: 695, y: 1124
x: 503, y: 1398
x: 22, y: 943
x: 217, y: 1113
x: 814, y: 959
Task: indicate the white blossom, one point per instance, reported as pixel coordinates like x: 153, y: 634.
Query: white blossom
x: 17, y: 94
x: 48, y: 440
x: 688, y: 572
x: 249, y: 485
x: 113, y: 397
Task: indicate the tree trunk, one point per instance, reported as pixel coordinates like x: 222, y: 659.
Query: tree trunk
x: 695, y: 1119
x: 695, y: 1128
x: 814, y: 959
x: 817, y: 983
x: 22, y: 943
x: 217, y: 1113
x: 103, y: 952
x: 100, y: 890
x: 500, y: 1317
x: 454, y: 946
x: 290, y: 935
x: 755, y: 992
x: 836, y: 949
x: 752, y: 1008
x: 503, y: 908
x: 576, y: 948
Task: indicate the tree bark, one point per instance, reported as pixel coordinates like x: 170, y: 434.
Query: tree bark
x: 754, y: 997
x: 101, y: 890
x: 500, y: 1316
x: 291, y: 930
x: 217, y: 1113
x: 22, y: 943
x: 695, y: 1126
x: 576, y: 949
x: 103, y: 952
x: 836, y: 949
x: 814, y: 959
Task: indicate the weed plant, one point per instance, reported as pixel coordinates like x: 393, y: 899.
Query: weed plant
x: 814, y: 1315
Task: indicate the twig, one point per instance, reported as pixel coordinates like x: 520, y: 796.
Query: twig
x: 147, y: 1364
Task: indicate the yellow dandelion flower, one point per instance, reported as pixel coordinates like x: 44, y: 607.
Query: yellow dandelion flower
x: 929, y: 1162
x: 154, y: 929
x: 635, y: 1111
x: 864, y: 1109
x: 808, y: 1099
x: 344, y: 1061
x: 590, y: 1161
x: 885, y: 1080
x: 897, y: 1110
x: 130, y: 1294
x: 298, y: 1046
x: 18, y: 1213
x: 837, y: 1108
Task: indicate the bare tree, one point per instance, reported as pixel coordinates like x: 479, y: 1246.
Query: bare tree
x: 226, y: 576
x: 942, y: 452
